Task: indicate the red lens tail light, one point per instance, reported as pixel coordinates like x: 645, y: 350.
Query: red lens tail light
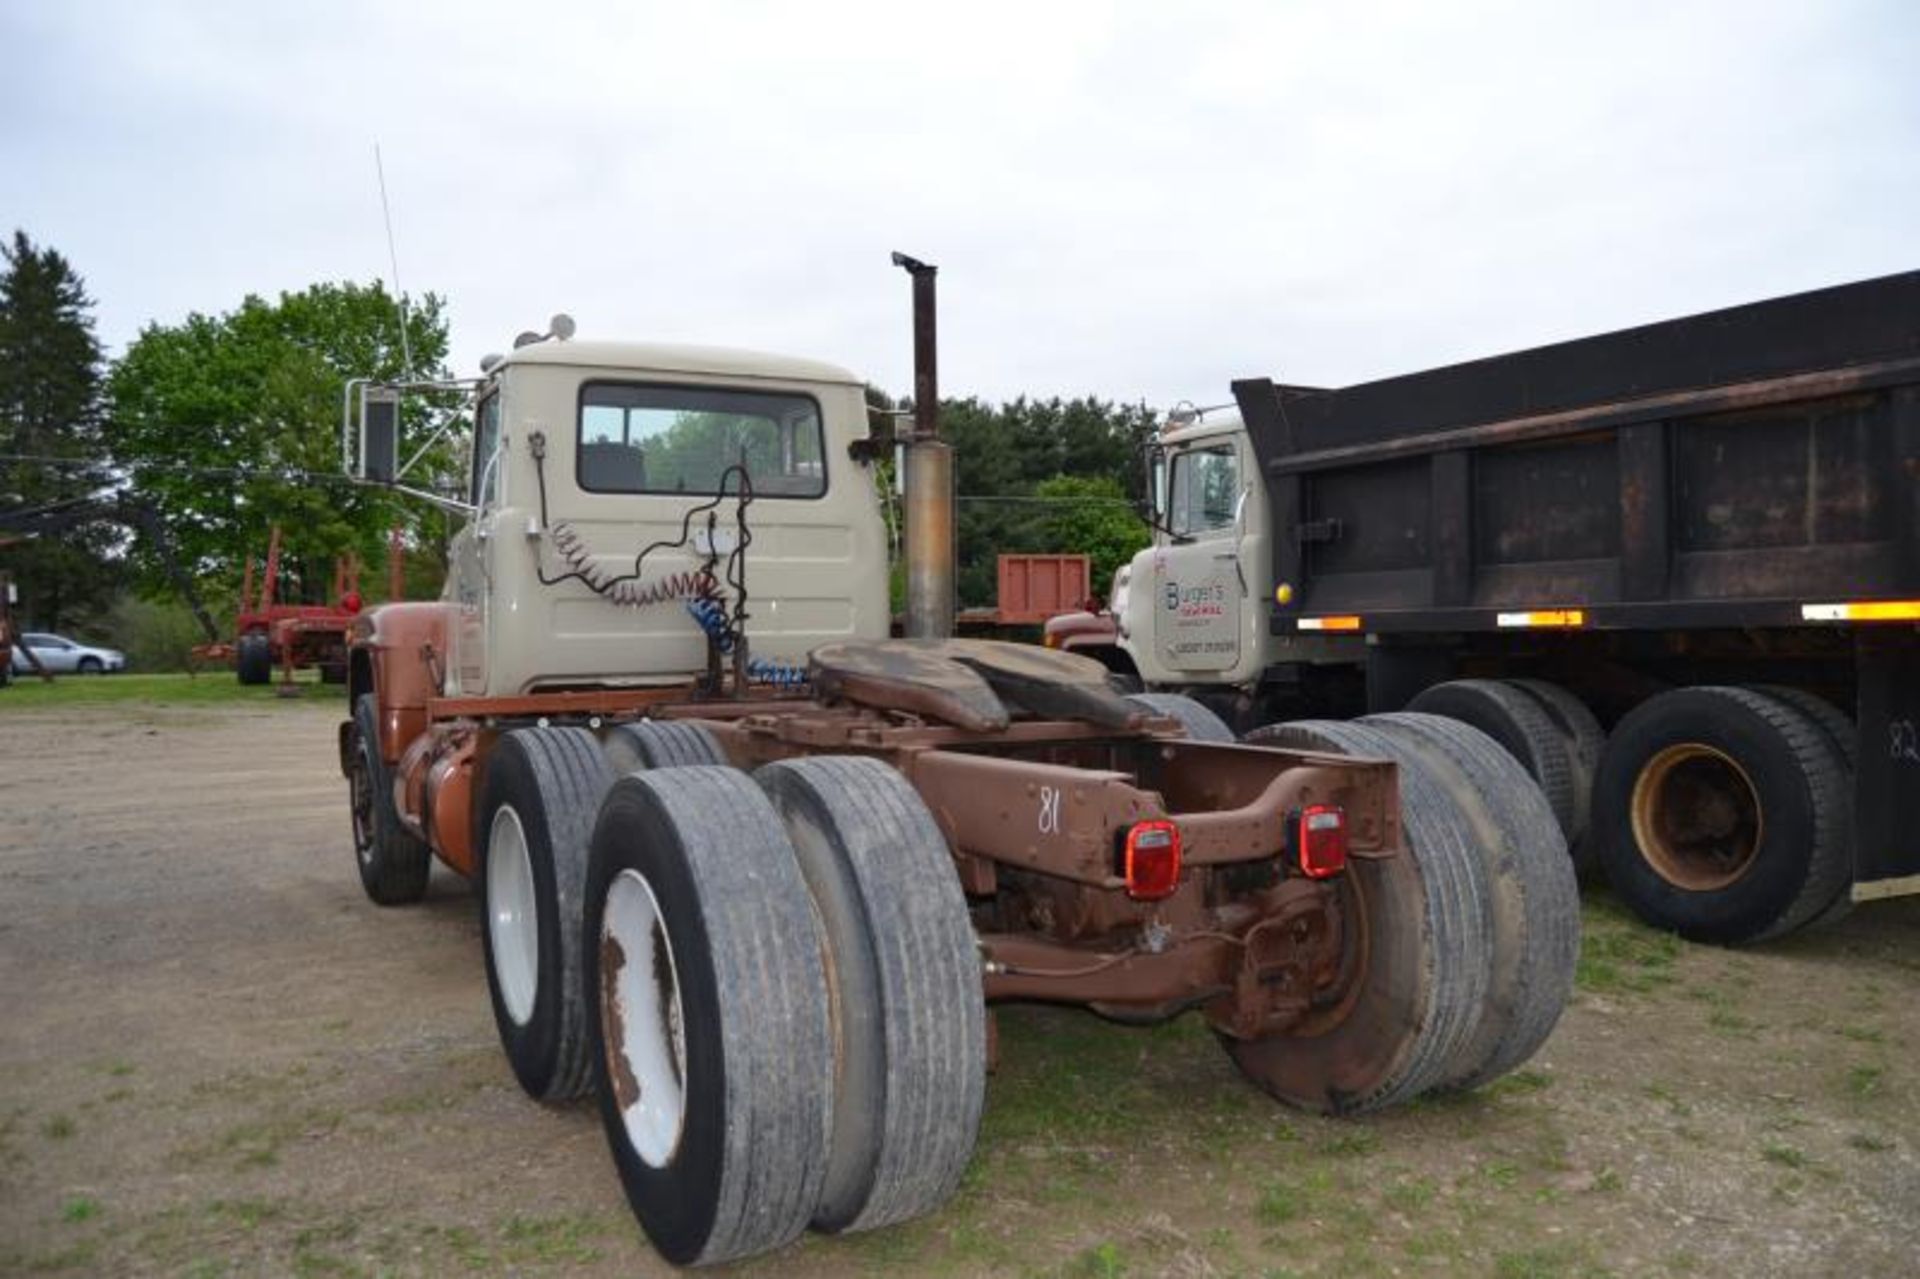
x: 1322, y: 841
x: 1152, y: 860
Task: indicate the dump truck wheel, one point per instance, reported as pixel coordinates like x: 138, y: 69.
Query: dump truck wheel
x: 1418, y: 941
x: 1202, y: 725
x: 1535, y: 903
x: 394, y: 866
x: 905, y: 967
x: 660, y: 743
x: 1840, y: 730
x: 543, y: 790
x: 1521, y: 726
x: 1834, y: 722
x: 1585, y: 740
x: 1726, y: 815
x: 253, y: 658
x: 711, y: 1037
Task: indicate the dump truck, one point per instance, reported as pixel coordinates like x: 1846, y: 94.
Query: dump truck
x: 1674, y: 570
x: 751, y: 873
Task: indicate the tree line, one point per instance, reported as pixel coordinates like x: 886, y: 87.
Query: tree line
x: 226, y: 426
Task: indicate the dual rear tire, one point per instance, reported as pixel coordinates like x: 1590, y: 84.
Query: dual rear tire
x: 784, y: 966
x: 1476, y: 987
x: 1729, y: 812
x: 770, y: 980
x: 1720, y: 813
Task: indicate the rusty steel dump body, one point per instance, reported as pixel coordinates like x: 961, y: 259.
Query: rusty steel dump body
x: 1034, y: 811
x: 1721, y: 470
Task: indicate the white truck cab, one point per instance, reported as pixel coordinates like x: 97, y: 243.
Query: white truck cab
x: 585, y: 456
x: 1191, y: 613
x: 1188, y: 610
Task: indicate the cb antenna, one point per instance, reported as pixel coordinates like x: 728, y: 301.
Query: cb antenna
x: 393, y: 261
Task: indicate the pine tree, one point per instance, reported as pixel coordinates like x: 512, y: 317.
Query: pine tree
x: 50, y: 382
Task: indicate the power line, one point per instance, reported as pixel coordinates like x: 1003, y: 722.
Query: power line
x: 124, y: 470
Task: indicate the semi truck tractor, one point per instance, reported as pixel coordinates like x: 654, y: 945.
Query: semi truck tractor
x: 1674, y: 570
x: 751, y: 874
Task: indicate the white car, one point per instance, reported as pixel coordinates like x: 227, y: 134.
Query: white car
x: 63, y: 656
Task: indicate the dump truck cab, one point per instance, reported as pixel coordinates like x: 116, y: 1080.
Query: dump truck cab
x: 1191, y: 611
x: 588, y: 461
x: 1188, y: 609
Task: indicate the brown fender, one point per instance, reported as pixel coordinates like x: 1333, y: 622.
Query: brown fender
x: 1070, y: 632
x: 400, y: 655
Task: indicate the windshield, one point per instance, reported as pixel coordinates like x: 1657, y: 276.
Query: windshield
x: 1205, y: 486
x: 681, y: 439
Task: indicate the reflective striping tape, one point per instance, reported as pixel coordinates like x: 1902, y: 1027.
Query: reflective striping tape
x: 1545, y: 617
x: 1878, y: 889
x: 1871, y: 611
x: 1329, y: 623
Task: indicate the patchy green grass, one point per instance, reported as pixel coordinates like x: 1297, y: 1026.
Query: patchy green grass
x: 58, y: 1127
x: 1102, y: 1261
x: 211, y: 686
x: 79, y: 1209
x: 1783, y: 1155
x: 1618, y: 953
x: 1863, y: 1083
x: 549, y: 1241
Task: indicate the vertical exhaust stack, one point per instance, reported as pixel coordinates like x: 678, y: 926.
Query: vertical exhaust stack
x: 929, y: 476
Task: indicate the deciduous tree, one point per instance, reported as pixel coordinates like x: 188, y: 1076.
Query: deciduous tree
x: 228, y: 425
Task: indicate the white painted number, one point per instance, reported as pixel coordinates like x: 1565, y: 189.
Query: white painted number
x: 1049, y: 811
x: 1905, y: 741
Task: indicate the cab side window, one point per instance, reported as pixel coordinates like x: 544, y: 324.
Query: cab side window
x: 1206, y: 485
x: 484, y: 485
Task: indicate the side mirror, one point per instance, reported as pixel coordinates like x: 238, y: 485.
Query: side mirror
x: 379, y: 457
x: 882, y: 438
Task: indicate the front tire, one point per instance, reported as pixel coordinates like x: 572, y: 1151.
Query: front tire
x: 543, y: 792
x: 394, y: 865
x: 711, y: 1038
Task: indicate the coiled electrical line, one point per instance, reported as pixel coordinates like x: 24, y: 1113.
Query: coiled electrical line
x: 694, y: 584
x: 768, y: 670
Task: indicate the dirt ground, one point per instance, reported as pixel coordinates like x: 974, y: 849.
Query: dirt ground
x: 217, y: 1057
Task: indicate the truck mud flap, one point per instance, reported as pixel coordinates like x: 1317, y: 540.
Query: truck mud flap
x: 1887, y: 783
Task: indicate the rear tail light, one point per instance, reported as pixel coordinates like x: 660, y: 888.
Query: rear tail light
x: 1321, y: 841
x: 1152, y: 860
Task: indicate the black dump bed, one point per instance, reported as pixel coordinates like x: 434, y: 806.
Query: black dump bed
x: 1745, y: 467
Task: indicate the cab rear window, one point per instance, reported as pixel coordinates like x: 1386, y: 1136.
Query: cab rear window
x: 636, y: 438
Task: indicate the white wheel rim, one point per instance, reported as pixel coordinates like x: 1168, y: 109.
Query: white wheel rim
x: 513, y: 925
x: 641, y: 1017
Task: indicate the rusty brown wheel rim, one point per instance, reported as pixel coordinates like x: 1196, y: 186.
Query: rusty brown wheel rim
x: 1697, y: 817
x: 1334, y: 1002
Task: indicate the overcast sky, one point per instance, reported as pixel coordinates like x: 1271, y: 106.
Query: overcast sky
x: 1140, y: 201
